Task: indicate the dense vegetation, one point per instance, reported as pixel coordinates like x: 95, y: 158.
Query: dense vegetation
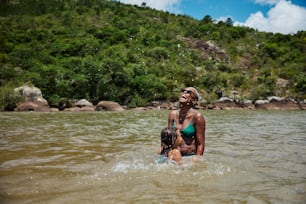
x: 106, y: 50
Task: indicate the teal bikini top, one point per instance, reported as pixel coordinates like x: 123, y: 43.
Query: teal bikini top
x: 188, y: 131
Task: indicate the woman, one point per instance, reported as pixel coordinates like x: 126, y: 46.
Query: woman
x: 190, y: 124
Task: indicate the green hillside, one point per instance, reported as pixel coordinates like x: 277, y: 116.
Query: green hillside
x: 106, y: 50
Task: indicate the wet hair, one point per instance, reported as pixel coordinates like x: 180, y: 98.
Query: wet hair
x: 168, y: 137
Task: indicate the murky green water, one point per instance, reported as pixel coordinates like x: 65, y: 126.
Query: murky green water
x: 107, y: 157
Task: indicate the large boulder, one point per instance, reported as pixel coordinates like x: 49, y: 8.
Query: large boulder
x: 32, y: 106
x: 276, y: 99
x: 261, y: 102
x: 31, y: 94
x: 32, y: 99
x: 108, y: 106
x: 226, y: 103
x: 82, y: 103
x: 225, y: 100
x: 247, y: 104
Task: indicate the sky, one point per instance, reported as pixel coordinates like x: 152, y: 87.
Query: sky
x: 277, y: 16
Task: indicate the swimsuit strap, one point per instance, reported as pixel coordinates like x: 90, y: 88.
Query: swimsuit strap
x: 191, y: 121
x: 177, y: 115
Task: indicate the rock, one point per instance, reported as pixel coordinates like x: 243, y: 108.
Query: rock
x: 225, y: 100
x: 208, y: 49
x: 226, y: 103
x: 33, y: 99
x: 282, y: 83
x: 165, y: 105
x: 260, y: 102
x: 88, y: 108
x: 72, y: 109
x: 247, y: 104
x: 32, y: 106
x: 108, y: 106
x: 201, y: 45
x: 83, y: 102
x: 31, y: 94
x: 155, y: 103
x: 275, y: 99
x: 54, y: 109
x: 211, y: 44
x: 211, y: 106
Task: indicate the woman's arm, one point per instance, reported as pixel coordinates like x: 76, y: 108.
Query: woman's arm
x: 200, y: 126
x: 171, y: 118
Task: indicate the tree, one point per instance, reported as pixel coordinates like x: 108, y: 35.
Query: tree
x: 207, y: 19
x: 300, y: 85
x: 143, y: 4
x: 229, y: 22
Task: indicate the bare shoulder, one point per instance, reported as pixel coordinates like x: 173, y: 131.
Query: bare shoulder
x: 198, y: 115
x: 172, y: 113
x: 171, y: 118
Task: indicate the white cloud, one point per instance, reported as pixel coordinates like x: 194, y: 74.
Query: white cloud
x: 165, y: 5
x: 266, y: 2
x: 284, y: 17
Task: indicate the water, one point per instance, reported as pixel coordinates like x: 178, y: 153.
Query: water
x: 110, y: 157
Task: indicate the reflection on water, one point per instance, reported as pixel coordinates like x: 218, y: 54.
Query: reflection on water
x: 107, y: 157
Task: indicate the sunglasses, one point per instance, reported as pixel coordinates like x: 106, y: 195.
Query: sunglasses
x: 186, y: 91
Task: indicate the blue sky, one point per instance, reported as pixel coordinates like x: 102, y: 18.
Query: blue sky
x: 283, y: 16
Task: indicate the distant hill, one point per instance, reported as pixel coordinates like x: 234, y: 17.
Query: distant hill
x: 105, y: 50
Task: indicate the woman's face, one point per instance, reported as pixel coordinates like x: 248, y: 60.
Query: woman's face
x: 186, y: 95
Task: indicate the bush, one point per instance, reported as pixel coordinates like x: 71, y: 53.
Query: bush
x: 300, y: 85
x: 260, y: 91
x: 237, y: 80
x: 9, y: 99
x: 137, y: 101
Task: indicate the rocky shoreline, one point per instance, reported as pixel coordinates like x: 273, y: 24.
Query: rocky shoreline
x: 114, y: 106
x: 33, y: 101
